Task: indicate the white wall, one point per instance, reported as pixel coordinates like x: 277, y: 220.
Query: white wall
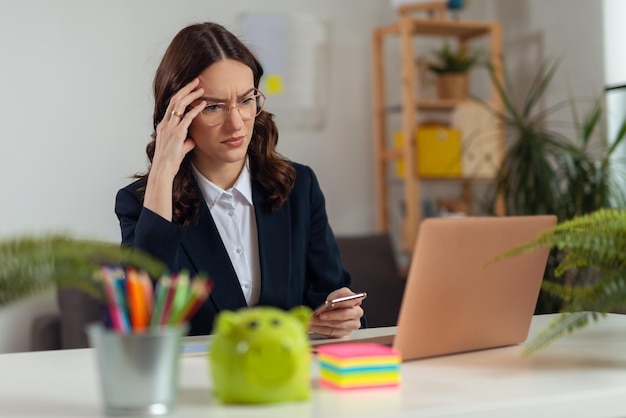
x: 615, y: 75
x: 614, y: 35
x: 76, y: 105
x: 534, y: 30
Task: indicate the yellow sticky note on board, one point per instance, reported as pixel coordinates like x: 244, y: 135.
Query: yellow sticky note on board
x: 274, y: 84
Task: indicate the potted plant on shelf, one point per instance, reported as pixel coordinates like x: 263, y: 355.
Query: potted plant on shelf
x: 32, y: 264
x: 594, y: 243
x: 451, y: 68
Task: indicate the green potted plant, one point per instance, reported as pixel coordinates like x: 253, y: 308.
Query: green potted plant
x: 32, y: 264
x: 595, y: 243
x: 544, y: 171
x: 451, y: 67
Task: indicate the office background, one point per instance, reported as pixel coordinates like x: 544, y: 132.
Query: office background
x: 75, y: 114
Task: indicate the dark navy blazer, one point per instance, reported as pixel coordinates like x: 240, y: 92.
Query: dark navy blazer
x: 299, y: 257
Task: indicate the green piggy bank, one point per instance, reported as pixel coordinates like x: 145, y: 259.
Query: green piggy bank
x: 261, y: 355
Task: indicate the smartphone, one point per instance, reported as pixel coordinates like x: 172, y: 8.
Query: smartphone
x: 342, y: 302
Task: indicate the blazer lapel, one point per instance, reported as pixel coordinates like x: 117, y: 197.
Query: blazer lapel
x: 273, y: 228
x: 206, y: 251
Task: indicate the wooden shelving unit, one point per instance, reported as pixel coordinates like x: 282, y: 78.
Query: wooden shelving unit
x: 406, y: 29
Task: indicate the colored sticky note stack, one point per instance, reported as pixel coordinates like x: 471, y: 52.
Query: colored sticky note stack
x: 358, y: 365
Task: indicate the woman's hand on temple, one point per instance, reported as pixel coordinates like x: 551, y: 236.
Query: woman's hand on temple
x: 172, y: 139
x: 338, y: 322
x: 172, y: 143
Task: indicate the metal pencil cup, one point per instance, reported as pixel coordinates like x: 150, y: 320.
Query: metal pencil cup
x: 138, y: 372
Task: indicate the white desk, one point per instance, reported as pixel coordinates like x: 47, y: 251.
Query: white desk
x: 581, y: 375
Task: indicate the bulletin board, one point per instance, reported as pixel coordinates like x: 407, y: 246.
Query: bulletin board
x: 293, y: 49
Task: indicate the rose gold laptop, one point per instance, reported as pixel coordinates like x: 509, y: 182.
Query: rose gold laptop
x: 453, y: 302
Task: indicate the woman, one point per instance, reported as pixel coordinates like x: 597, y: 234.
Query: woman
x: 218, y: 198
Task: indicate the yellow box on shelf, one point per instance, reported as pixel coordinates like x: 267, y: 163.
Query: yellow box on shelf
x: 438, y: 150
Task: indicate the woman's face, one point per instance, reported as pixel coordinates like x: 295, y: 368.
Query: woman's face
x: 223, y: 146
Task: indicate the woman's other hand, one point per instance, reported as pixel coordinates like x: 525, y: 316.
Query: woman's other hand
x: 338, y: 322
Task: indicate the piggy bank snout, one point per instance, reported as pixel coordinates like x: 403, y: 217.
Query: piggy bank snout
x: 270, y: 363
x: 267, y: 348
x: 272, y: 349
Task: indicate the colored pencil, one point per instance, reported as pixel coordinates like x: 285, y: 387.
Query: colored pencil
x: 180, y: 296
x: 120, y: 297
x: 169, y: 299
x: 148, y: 290
x: 137, y: 304
x: 112, y: 305
x: 162, y: 290
x: 200, y: 290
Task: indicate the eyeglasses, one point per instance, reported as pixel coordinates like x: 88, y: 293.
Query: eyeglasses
x: 249, y: 107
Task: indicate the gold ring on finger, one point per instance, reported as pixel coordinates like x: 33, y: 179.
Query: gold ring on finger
x: 177, y: 114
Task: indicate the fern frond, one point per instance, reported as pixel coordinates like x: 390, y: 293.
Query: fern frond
x: 592, y: 242
x: 570, y: 261
x: 29, y: 264
x: 565, y: 292
x: 603, y: 296
x: 598, y: 237
x: 563, y: 324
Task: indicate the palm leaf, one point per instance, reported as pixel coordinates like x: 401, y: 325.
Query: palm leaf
x: 510, y: 110
x: 590, y: 123
x: 542, y: 79
x: 620, y: 137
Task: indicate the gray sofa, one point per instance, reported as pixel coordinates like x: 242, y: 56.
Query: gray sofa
x: 67, y: 328
x: 371, y: 261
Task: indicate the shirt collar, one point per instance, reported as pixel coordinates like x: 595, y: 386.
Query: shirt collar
x: 212, y: 193
x: 244, y: 184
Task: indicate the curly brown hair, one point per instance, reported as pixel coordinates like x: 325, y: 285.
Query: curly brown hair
x: 192, y: 50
